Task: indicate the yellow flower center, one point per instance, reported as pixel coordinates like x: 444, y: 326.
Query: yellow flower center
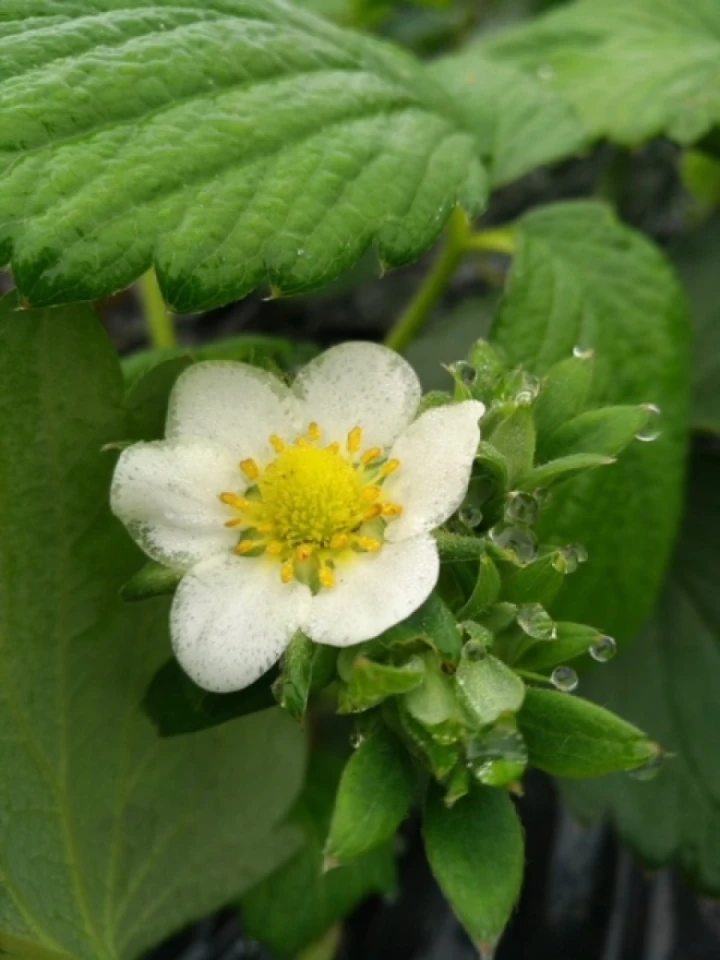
x: 314, y: 506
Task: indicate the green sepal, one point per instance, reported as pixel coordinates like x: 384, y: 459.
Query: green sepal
x: 485, y: 592
x: 563, y: 468
x: 434, y: 703
x: 432, y: 624
x: 376, y: 791
x: 152, y: 580
x: 488, y: 689
x: 306, y: 666
x: 456, y: 547
x: 490, y: 480
x: 475, y: 849
x: 563, y: 395
x: 497, y: 757
x: 573, y: 640
x: 514, y: 438
x: 538, y: 582
x: 369, y: 683
x: 457, y: 785
x: 440, y: 757
x: 605, y: 431
x: 435, y: 398
x: 489, y: 369
x: 571, y: 737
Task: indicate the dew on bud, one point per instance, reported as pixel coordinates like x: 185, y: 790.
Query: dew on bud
x: 649, y: 770
x: 534, y: 620
x: 603, y: 649
x: 583, y: 353
x: 651, y: 431
x: 564, y: 679
x: 499, y: 757
x: 521, y: 508
x: 575, y: 554
x: 518, y: 540
x: 465, y: 372
x: 529, y: 390
x: 470, y: 516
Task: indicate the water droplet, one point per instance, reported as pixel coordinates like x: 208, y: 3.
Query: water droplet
x: 651, y: 430
x: 517, y: 540
x: 529, y: 390
x: 545, y: 72
x: 499, y: 757
x: 301, y: 252
x: 474, y: 651
x: 478, y: 636
x: 575, y: 554
x: 534, y: 620
x: 357, y: 738
x: 521, y: 508
x: 583, y: 353
x: 603, y: 649
x: 470, y: 516
x: 564, y: 679
x: 465, y: 372
x: 649, y: 770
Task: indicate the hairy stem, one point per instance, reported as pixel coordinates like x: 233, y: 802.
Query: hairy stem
x: 159, y: 321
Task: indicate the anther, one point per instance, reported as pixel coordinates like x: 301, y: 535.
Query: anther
x: 303, y: 553
x: 334, y: 447
x: 233, y: 500
x: 278, y: 444
x: 302, y: 442
x: 375, y: 510
x: 236, y: 522
x: 264, y: 527
x: 369, y: 543
x: 390, y: 467
x: 370, y: 493
x: 247, y: 546
x: 314, y: 432
x: 392, y: 510
x: 327, y: 577
x: 371, y: 456
x: 339, y: 541
x: 287, y: 572
x: 275, y: 547
x: 354, y: 439
x: 250, y: 468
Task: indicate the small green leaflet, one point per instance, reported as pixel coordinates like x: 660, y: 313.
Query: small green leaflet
x: 232, y: 143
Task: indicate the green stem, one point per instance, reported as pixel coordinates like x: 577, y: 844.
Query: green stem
x: 459, y: 241
x: 160, y: 325
x: 412, y: 321
x: 325, y: 948
x: 535, y: 677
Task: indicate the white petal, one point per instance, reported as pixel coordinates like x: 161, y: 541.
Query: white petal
x: 436, y: 455
x: 374, y: 592
x: 233, y: 404
x: 232, y: 618
x: 360, y: 385
x: 166, y: 493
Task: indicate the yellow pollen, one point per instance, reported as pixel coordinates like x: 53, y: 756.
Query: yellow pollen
x: 375, y: 510
x: 392, y: 510
x: 237, y: 522
x: 287, y: 572
x: 250, y: 469
x: 371, y: 493
x: 327, y: 577
x: 334, y: 447
x: 233, y: 500
x: 354, y: 439
x: 277, y: 443
x: 369, y: 543
x: 314, y: 432
x: 339, y: 541
x: 390, y: 467
x: 275, y: 548
x: 247, y: 546
x: 264, y: 527
x: 371, y: 456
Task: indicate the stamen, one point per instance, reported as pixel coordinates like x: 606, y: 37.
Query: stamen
x: 327, y: 577
x: 250, y: 468
x: 287, y: 572
x: 237, y: 522
x: 314, y: 432
x: 374, y: 511
x: 302, y: 442
x: 278, y: 444
x: 275, y: 548
x: 334, y: 447
x: 304, y: 553
x: 233, y: 500
x: 371, y: 456
x: 369, y: 543
x: 392, y: 510
x: 264, y: 527
x: 247, y: 546
x: 354, y: 439
x: 370, y: 493
x: 339, y: 541
x: 390, y: 467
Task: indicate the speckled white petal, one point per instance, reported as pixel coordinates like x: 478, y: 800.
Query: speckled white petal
x: 436, y: 454
x: 360, y: 384
x: 231, y: 620
x: 373, y: 592
x: 166, y: 493
x: 233, y: 404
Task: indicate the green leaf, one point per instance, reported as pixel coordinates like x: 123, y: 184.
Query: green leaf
x: 177, y: 706
x: 631, y: 71
x: 488, y: 689
x: 99, y: 818
x: 564, y: 468
x: 475, y: 850
x: 514, y: 439
x: 563, y: 395
x: 432, y: 623
x: 582, y: 278
x: 147, y: 399
x: 537, y: 582
x: 151, y: 580
x: 306, y: 666
x: 231, y: 143
x: 441, y: 757
x: 573, y: 640
x: 376, y: 791
x: 370, y: 683
x: 485, y: 592
x: 605, y: 431
x: 571, y: 737
x: 299, y: 902
x: 520, y: 123
x: 667, y: 683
